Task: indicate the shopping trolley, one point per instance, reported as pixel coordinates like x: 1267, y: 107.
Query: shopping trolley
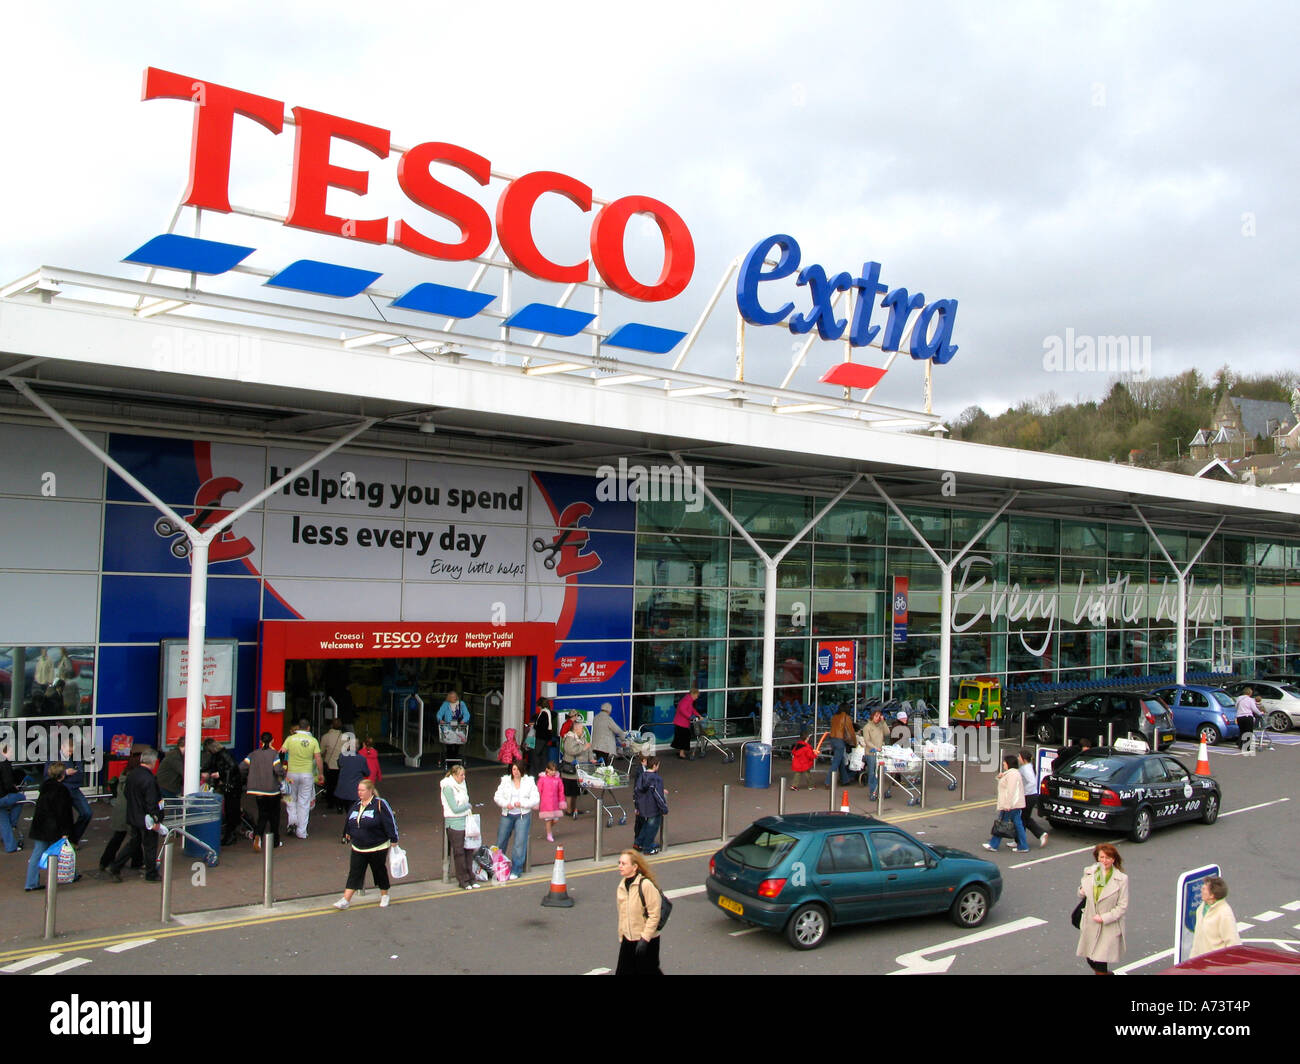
x: 602, y: 782
x: 190, y: 811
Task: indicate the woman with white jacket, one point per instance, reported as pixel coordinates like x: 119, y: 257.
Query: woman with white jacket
x: 1011, y: 804
x: 1104, y: 890
x: 517, y: 796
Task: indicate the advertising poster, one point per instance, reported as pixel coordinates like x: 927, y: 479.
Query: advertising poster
x: 218, y: 689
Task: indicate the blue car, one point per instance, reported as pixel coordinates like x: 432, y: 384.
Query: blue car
x: 803, y: 874
x: 1201, y: 712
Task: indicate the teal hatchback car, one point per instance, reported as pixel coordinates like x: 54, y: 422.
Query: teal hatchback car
x: 806, y: 873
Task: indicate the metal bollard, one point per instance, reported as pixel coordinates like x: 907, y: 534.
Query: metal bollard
x: 780, y: 796
x: 1065, y: 732
x: 445, y: 860
x: 268, y: 888
x: 1110, y: 734
x: 830, y: 803
x: 963, y: 777
x: 600, y: 824
x: 663, y: 833
x: 51, y: 898
x: 881, y: 779
x: 726, y: 798
x: 924, y: 766
x: 169, y: 850
x: 1023, y: 724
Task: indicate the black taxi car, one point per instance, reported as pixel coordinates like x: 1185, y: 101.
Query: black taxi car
x: 1127, y: 788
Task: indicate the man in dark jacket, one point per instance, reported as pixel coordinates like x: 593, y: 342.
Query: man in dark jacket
x: 225, y: 777
x: 73, y: 777
x: 142, y: 798
x: 51, y: 821
x: 11, y: 803
x: 171, y: 773
x: 648, y: 797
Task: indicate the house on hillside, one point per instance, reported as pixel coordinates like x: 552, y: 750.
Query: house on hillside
x: 1244, y: 427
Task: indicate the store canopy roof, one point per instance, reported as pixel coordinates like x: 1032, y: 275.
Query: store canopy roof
x: 204, y: 368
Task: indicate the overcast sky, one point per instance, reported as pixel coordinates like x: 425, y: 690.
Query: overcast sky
x: 1124, y: 169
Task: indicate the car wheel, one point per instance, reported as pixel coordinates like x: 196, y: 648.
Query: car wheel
x: 807, y: 927
x: 1208, y: 734
x: 1141, y: 825
x: 1045, y: 733
x: 1211, y: 811
x: 971, y: 907
x: 1279, y: 721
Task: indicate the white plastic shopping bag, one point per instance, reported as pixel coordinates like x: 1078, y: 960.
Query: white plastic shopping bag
x: 397, y: 867
x: 473, y: 832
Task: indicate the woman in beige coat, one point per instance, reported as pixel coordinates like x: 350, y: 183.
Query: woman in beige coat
x: 639, y: 901
x: 1104, y: 889
x: 1216, y: 925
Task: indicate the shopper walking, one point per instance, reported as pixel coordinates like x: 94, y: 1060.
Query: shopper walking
x: 575, y: 748
x: 543, y: 748
x: 1029, y: 776
x: 516, y: 797
x: 73, y: 777
x: 171, y: 773
x: 686, y: 712
x: 876, y: 735
x: 117, y: 820
x: 453, y: 726
x: 455, y: 808
x: 11, y: 802
x: 353, y: 768
x: 1011, y: 804
x: 306, y: 771
x: 143, y: 799
x: 1216, y: 926
x: 640, y: 902
x: 52, y: 821
x: 224, y: 777
x: 330, y: 749
x: 264, y: 770
x: 371, y: 756
x: 841, y: 736
x: 1104, y: 890
x: 550, y: 789
x: 606, y: 735
x: 1247, y: 711
x: 650, y: 802
x: 371, y: 830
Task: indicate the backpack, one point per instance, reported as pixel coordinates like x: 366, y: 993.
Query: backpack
x: 665, y: 906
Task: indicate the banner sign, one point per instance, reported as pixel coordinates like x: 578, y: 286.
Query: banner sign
x: 836, y: 661
x: 900, y: 609
x: 1187, y: 901
x: 218, y: 689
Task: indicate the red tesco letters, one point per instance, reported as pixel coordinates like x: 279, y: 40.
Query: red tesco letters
x: 215, y: 108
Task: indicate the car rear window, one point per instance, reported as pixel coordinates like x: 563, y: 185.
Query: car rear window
x: 1223, y: 699
x: 1101, y: 769
x: 757, y: 847
x: 1155, y: 707
x: 1291, y: 690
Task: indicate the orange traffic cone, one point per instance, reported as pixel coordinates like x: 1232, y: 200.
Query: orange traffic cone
x: 558, y: 896
x: 844, y: 803
x: 1203, y: 759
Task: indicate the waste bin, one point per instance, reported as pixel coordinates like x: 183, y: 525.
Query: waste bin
x: 203, y: 813
x: 758, y: 765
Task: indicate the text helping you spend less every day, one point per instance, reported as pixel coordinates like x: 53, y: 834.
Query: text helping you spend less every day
x: 376, y: 494
x: 419, y: 540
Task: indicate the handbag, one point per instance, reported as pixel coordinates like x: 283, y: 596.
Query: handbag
x: 473, y: 832
x: 397, y: 866
x: 1003, y: 828
x: 665, y: 906
x: 67, y: 870
x: 1076, y: 917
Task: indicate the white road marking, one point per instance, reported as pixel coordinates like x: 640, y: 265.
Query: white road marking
x: 1291, y: 906
x: 1243, y: 926
x: 63, y: 966
x: 683, y: 892
x: 744, y: 931
x: 1144, y: 962
x: 1265, y: 917
x: 1297, y: 927
x: 1063, y: 853
x: 1262, y: 805
x: 40, y: 958
x: 916, y: 962
x: 597, y: 971
x: 122, y: 947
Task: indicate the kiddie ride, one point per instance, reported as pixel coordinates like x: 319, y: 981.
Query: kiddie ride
x: 979, y: 702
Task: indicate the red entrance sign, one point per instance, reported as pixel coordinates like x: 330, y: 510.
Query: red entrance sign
x: 580, y: 670
x: 835, y: 661
x: 216, y: 107
x: 284, y: 641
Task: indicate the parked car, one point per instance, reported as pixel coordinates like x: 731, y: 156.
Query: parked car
x: 1280, y: 702
x: 803, y: 874
x: 1201, y: 712
x: 1104, y: 715
x: 1122, y: 789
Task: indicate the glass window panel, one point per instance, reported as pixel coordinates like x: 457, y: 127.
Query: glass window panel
x: 851, y: 521
x: 749, y: 570
x: 667, y: 516
x: 685, y: 613
x: 932, y: 524
x: 1270, y: 554
x: 670, y: 560
x: 847, y: 613
x: 839, y: 566
x: 47, y: 681
x: 1125, y: 541
x: 965, y: 525
x: 1083, y: 538
x: 1034, y: 535
x: 678, y: 664
x: 747, y: 612
x: 1174, y: 542
x: 972, y: 655
x: 1211, y: 555
x: 1236, y: 551
x: 769, y: 514
x: 916, y: 565
x: 1126, y: 651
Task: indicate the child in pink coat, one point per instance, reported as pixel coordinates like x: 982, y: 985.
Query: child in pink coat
x: 510, y: 752
x: 551, y: 787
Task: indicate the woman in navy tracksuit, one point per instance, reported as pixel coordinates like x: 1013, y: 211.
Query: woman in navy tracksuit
x: 371, y: 830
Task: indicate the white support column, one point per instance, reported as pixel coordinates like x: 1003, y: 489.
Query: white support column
x: 770, y: 564
x: 199, y: 543
x: 1180, y: 643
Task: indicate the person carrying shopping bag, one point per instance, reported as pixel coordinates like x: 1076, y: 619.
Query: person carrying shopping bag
x: 1104, y: 890
x: 517, y: 796
x: 1011, y: 804
x: 371, y: 830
